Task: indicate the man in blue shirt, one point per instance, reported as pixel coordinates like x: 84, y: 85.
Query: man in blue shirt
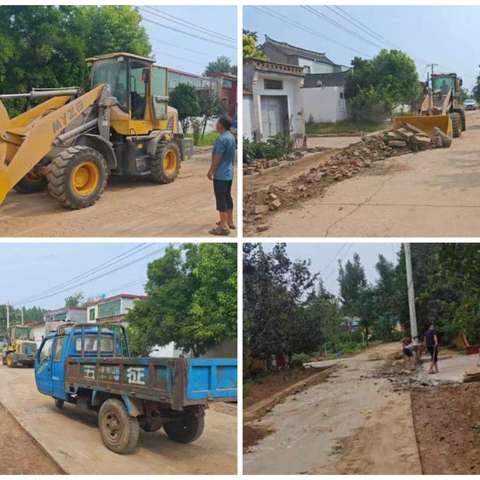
x: 221, y: 172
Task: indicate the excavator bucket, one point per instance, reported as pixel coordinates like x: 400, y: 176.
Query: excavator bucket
x: 426, y: 123
x: 27, y: 138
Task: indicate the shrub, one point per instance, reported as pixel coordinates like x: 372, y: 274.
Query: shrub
x: 298, y: 359
x: 276, y: 147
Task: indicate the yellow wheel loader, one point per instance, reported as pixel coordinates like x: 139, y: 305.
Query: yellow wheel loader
x: 21, y: 348
x: 73, y: 141
x: 440, y: 107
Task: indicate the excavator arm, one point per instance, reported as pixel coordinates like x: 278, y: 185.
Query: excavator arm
x: 27, y: 138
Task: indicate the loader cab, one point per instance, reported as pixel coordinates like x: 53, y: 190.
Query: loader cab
x: 140, y: 88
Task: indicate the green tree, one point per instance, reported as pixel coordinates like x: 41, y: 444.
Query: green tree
x: 209, y: 106
x: 47, y: 46
x: 250, y: 48
x: 185, y: 99
x: 352, y: 281
x: 75, y: 300
x: 221, y: 65
x: 374, y: 87
x: 191, y: 300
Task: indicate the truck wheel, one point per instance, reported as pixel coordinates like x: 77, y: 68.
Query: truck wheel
x: 166, y: 163
x: 149, y: 426
x: 119, y: 430
x: 59, y: 403
x: 77, y: 177
x: 456, y: 125
x: 186, y: 429
x: 31, y: 183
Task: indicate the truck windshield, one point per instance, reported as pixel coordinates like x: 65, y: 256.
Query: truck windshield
x: 112, y: 72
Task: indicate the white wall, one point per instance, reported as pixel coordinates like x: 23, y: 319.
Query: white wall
x: 324, y: 104
x: 291, y: 89
x: 316, y: 67
x: 247, y: 117
x: 165, y: 351
x: 38, y: 332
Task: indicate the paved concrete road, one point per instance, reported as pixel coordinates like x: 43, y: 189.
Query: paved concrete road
x: 72, y: 438
x: 432, y: 193
x: 351, y: 424
x: 128, y: 208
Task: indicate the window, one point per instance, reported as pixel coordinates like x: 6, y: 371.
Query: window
x: 46, y: 351
x: 160, y: 94
x: 227, y: 83
x: 58, y: 349
x: 91, y: 314
x: 270, y: 84
x: 138, y: 91
x: 114, y: 73
x: 91, y: 343
x: 341, y: 95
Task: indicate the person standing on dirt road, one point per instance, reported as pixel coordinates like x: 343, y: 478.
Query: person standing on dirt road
x: 221, y: 172
x: 431, y: 342
x: 408, y: 347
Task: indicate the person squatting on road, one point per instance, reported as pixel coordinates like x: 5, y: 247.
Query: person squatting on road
x: 431, y: 342
x: 221, y: 172
x: 408, y: 347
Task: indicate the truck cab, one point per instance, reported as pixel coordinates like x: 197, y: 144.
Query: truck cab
x: 90, y: 366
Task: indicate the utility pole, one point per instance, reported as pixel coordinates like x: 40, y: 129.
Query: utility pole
x: 432, y: 65
x: 8, y: 316
x: 21, y: 310
x: 411, y: 294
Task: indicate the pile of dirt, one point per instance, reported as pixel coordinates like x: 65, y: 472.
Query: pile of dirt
x: 276, y: 382
x: 344, y: 164
x: 447, y: 426
x: 252, y: 434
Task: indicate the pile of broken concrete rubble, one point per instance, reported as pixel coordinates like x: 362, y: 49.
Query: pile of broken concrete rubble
x: 345, y: 163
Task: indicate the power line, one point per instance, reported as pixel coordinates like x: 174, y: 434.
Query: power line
x: 91, y: 271
x: 306, y: 29
x: 177, y: 30
x: 121, y: 267
x: 195, y: 26
x: 333, y: 22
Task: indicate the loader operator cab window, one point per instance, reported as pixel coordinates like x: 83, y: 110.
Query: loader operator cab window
x: 138, y: 89
x: 113, y: 72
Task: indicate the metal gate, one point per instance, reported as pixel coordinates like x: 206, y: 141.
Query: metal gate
x: 274, y: 115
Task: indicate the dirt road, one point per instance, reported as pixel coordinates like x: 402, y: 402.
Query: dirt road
x: 431, y: 193
x: 19, y: 454
x: 330, y: 428
x: 71, y: 437
x: 128, y: 208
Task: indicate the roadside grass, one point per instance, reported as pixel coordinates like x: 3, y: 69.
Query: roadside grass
x: 342, y: 127
x: 207, y: 140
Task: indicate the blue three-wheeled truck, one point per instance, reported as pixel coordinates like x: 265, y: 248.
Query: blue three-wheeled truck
x: 89, y: 365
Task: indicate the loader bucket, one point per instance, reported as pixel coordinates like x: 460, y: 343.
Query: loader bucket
x: 426, y: 123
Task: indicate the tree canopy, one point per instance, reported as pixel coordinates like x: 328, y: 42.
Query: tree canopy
x: 374, y: 87
x: 221, y: 65
x: 47, y: 46
x: 185, y: 99
x: 250, y: 49
x: 191, y: 299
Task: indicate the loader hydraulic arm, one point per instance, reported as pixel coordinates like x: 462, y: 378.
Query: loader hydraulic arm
x: 27, y: 138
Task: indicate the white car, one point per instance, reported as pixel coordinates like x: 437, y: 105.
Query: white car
x: 470, y: 104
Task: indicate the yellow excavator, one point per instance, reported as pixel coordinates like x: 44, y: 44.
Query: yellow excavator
x: 73, y: 141
x: 440, y: 107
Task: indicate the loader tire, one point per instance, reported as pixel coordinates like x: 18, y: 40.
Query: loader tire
x: 463, y: 121
x: 77, y: 177
x: 186, y: 429
x: 456, y: 125
x: 166, y: 163
x: 10, y: 362
x: 31, y: 183
x: 119, y: 431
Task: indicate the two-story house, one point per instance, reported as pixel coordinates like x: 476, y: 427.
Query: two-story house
x: 111, y: 309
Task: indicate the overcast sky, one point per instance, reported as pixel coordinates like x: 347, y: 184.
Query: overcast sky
x: 182, y: 52
x: 30, y: 269
x: 446, y: 35
x: 325, y: 256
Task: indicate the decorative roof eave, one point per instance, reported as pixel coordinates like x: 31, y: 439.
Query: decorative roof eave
x: 273, y: 67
